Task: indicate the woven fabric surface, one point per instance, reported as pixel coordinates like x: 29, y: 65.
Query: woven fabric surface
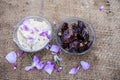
x: 104, y: 56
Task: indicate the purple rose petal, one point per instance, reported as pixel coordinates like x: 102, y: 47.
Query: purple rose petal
x: 31, y: 31
x: 43, y: 34
x: 48, y: 36
x: 30, y: 39
x: 20, y: 54
x: 46, y: 33
x: 36, y: 64
x: 36, y: 30
x: 59, y: 52
x: 40, y: 65
x: 49, y: 67
x: 36, y: 59
x: 59, y: 69
x: 85, y: 65
x: 74, y: 70
x: 54, y: 53
x: 55, y: 48
x: 15, y: 66
x: 25, y: 28
x: 48, y: 46
x: 60, y: 59
x: 54, y: 23
x: 26, y: 22
x: 27, y: 68
x: 11, y: 57
x: 101, y: 8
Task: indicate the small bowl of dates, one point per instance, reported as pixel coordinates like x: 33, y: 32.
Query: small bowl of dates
x: 75, y: 36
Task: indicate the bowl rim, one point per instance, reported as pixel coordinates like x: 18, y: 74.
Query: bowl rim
x: 77, y: 18
x: 15, y: 39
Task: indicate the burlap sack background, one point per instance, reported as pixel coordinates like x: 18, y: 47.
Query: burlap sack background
x: 104, y: 57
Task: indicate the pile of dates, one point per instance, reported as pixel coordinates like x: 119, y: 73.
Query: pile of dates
x: 74, y: 37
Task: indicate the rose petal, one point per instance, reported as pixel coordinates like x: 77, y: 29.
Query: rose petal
x: 26, y: 22
x: 49, y: 67
x: 55, y: 48
x: 15, y: 66
x: 36, y: 59
x: 101, y: 8
x: 54, y: 22
x: 48, y: 34
x: 31, y: 31
x: 74, y: 70
x: 25, y: 28
x: 43, y: 34
x: 48, y: 46
x: 37, y: 64
x: 11, y: 57
x: 85, y: 65
x: 40, y: 65
x: 36, y: 30
x: 20, y: 54
x: 54, y: 53
x: 30, y: 39
x: 27, y: 68
x: 60, y: 59
x: 58, y: 52
x: 59, y: 69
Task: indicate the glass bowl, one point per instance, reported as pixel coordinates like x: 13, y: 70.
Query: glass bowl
x: 16, y: 27
x: 71, y: 20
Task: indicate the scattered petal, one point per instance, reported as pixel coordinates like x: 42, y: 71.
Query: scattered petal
x: 74, y: 70
x: 59, y: 52
x: 48, y: 46
x: 36, y: 64
x: 101, y: 8
x: 54, y: 22
x: 30, y: 39
x: 11, y: 57
x: 36, y: 59
x: 54, y: 53
x: 55, y: 48
x: 85, y: 65
x: 15, y: 66
x: 60, y: 59
x: 59, y: 69
x: 40, y: 65
x: 20, y: 54
x: 49, y: 67
x: 27, y: 68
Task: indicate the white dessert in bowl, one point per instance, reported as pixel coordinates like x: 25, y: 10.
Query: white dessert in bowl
x: 32, y: 34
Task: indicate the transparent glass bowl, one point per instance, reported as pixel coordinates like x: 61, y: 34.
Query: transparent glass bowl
x: 92, y: 35
x: 15, y: 38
